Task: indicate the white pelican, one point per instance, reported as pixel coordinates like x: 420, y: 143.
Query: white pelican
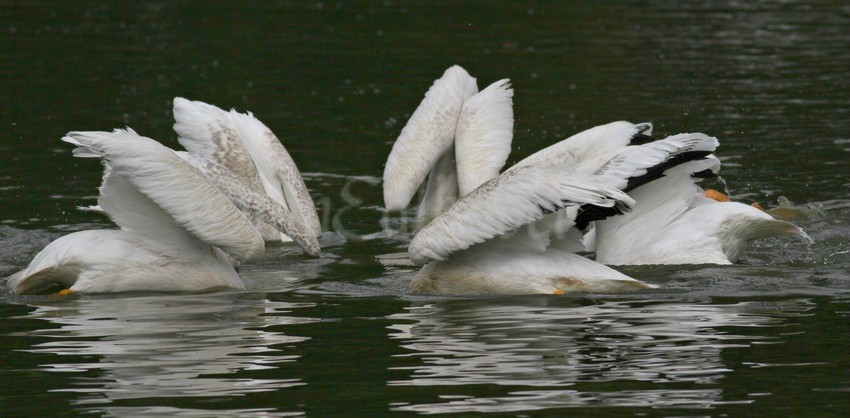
x: 495, y: 238
x: 176, y: 227
x: 249, y: 149
x: 675, y: 222
x: 467, y: 246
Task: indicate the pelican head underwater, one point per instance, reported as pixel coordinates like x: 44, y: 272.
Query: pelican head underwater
x: 184, y: 218
x: 519, y: 231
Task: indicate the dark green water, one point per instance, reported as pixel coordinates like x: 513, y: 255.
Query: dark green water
x: 340, y: 336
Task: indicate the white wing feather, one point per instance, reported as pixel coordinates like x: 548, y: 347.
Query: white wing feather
x: 517, y: 197
x: 427, y: 136
x: 588, y: 150
x: 253, y: 202
x: 635, y: 161
x: 484, y: 134
x: 133, y: 211
x: 442, y: 189
x: 160, y: 175
x: 247, y: 147
x: 209, y: 131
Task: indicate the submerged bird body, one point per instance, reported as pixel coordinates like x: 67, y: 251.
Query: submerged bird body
x: 110, y: 261
x: 508, y: 271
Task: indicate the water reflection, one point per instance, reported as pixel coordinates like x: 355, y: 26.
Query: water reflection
x: 552, y: 352
x: 168, y: 346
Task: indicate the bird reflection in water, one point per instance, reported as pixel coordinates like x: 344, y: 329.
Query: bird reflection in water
x: 168, y: 346
x: 593, y: 353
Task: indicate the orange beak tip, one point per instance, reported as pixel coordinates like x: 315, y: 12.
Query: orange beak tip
x: 715, y: 195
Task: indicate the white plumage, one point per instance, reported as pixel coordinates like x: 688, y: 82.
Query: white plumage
x: 516, y: 232
x: 674, y: 223
x: 266, y: 214
x: 457, y: 137
x: 249, y: 149
x: 484, y: 133
x: 511, y: 236
x: 175, y: 227
x: 496, y: 238
x: 504, y: 270
x: 519, y: 196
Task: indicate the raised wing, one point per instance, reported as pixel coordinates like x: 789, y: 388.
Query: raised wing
x: 620, y: 155
x: 517, y: 197
x: 254, y: 202
x: 248, y: 148
x: 209, y: 131
x: 144, y: 180
x: 484, y: 134
x: 659, y: 201
x: 588, y: 150
x: 641, y: 164
x: 427, y: 136
x: 442, y: 189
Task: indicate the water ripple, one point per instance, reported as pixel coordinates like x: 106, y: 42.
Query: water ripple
x: 167, y: 346
x: 604, y: 352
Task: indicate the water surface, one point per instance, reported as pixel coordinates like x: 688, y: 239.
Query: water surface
x: 340, y: 335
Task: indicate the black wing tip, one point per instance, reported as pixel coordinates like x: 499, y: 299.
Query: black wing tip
x: 657, y: 171
x: 643, y: 134
x: 589, y: 213
x: 705, y: 174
